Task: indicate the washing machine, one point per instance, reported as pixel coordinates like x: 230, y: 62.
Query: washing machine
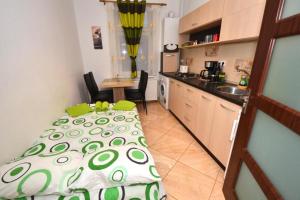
x: 163, y: 91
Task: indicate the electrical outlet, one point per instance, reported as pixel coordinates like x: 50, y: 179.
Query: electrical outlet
x: 222, y: 63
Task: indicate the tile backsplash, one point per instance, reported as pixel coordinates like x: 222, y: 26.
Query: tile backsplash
x: 233, y: 54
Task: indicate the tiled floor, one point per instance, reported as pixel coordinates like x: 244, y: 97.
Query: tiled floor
x: 188, y: 172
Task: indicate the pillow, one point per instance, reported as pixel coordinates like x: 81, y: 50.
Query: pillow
x: 34, y: 175
x: 79, y: 109
x: 116, y: 166
x: 124, y: 105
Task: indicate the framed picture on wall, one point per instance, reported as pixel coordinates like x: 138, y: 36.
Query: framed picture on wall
x: 97, y: 39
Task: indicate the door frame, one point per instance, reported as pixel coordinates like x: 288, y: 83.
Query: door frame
x: 272, y: 28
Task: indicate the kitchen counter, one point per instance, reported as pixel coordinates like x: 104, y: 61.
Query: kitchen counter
x: 207, y: 87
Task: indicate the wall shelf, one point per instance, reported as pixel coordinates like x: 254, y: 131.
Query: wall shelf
x: 220, y: 43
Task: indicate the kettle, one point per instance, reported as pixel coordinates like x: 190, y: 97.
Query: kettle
x: 183, y: 69
x: 204, y: 74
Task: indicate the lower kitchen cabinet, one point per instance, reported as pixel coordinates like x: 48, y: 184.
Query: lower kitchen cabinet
x: 206, y: 107
x: 211, y: 119
x: 225, y: 121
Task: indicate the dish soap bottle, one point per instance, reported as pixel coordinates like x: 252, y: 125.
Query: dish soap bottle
x: 243, y: 82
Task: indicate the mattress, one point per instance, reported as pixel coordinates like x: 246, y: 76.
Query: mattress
x: 88, y: 134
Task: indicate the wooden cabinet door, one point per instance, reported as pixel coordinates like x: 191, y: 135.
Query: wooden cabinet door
x: 242, y: 24
x: 172, y: 94
x: 223, y: 130
x: 213, y: 11
x: 190, y: 97
x: 206, y: 108
x: 234, y: 6
x: 205, y: 14
x: 188, y: 22
x: 178, y: 104
x: 170, y: 62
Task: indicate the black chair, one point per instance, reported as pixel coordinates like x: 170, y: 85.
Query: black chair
x: 140, y: 93
x: 96, y: 95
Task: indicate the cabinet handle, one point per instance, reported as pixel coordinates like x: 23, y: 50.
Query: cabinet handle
x: 170, y: 55
x: 233, y: 130
x: 194, y: 24
x: 186, y: 119
x: 189, y: 90
x: 225, y: 107
x: 204, y: 97
x: 178, y: 85
x: 188, y: 105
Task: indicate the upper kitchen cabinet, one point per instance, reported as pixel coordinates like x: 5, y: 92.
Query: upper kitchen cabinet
x: 207, y: 13
x: 241, y: 19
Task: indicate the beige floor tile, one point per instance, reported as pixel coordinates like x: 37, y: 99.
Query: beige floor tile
x: 170, y: 197
x: 171, y: 146
x: 180, y: 133
x: 217, y: 193
x: 163, y: 164
x: 153, y: 134
x: 197, y: 158
x: 220, y: 177
x: 185, y: 183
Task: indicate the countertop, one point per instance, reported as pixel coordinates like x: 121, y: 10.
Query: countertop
x: 207, y: 87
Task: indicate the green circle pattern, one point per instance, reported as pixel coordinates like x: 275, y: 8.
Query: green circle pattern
x: 103, y: 159
x: 122, y: 129
x: 75, y: 176
x: 153, y: 171
x: 96, y: 131
x: 92, y: 146
x: 106, y: 134
x: 102, y: 121
x: 60, y: 122
x: 88, y: 124
x: 45, y: 185
x: 78, y: 121
x: 142, y: 141
x: 152, y: 191
x: 34, y: 150
x: 56, y: 136
x: 118, y: 175
x: 119, y: 118
x: 74, y: 133
x: 47, y: 133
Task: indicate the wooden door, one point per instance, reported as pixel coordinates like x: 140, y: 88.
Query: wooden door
x: 225, y: 121
x: 265, y: 161
x: 206, y: 107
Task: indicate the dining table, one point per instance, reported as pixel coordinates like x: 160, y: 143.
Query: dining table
x: 118, y: 85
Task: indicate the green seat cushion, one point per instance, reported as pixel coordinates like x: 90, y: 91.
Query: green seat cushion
x: 78, y: 110
x: 124, y: 105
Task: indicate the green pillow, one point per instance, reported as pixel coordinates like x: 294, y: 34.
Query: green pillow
x: 105, y: 106
x: 124, y: 105
x: 98, y: 106
x: 79, y: 109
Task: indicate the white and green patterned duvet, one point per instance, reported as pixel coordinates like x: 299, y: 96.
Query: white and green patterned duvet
x: 69, y: 137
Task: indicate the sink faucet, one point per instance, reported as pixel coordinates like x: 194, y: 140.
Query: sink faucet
x: 238, y: 69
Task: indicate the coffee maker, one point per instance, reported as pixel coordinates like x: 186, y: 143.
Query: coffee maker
x: 211, y: 72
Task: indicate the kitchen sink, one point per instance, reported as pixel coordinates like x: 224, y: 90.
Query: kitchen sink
x: 233, y: 90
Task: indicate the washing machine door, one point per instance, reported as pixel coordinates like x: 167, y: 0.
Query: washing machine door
x: 162, y: 90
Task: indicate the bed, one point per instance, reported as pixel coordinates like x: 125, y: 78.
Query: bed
x: 100, y: 155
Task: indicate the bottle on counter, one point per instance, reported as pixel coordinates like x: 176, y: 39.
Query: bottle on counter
x: 243, y: 84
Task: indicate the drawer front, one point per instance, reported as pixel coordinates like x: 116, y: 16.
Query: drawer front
x: 191, y: 95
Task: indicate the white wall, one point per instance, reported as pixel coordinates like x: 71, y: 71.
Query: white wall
x: 190, y: 5
x: 40, y: 69
x: 93, y: 13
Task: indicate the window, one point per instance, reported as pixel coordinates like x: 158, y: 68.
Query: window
x: 148, y: 54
